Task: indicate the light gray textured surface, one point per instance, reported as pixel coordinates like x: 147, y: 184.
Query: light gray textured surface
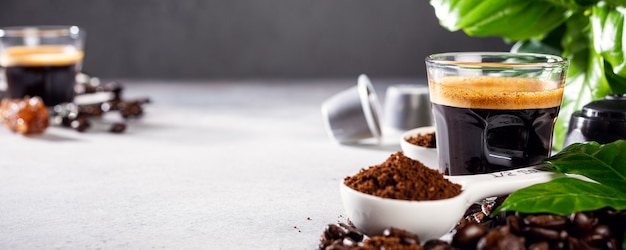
x: 209, y: 39
x: 212, y: 165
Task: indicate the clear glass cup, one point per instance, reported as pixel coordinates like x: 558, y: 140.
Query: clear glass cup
x: 41, y: 61
x: 494, y: 111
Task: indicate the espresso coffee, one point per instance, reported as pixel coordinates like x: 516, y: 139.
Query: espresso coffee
x: 47, y: 71
x: 488, y: 124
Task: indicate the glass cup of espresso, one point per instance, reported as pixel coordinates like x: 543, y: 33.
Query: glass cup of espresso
x: 494, y: 111
x: 41, y: 61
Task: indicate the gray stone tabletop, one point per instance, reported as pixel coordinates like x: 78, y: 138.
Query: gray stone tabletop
x: 219, y: 165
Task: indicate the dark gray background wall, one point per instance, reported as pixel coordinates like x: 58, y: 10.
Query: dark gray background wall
x: 208, y: 39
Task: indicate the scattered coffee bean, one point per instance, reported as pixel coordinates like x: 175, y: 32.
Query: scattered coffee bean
x: 543, y: 233
x: 77, y: 115
x: 500, y: 239
x: 80, y: 124
x: 335, y: 235
x: 468, y: 235
x: 117, y: 128
x: 542, y: 245
x: 599, y: 235
x: 583, y: 222
x: 405, y: 237
x: 549, y: 221
x: 437, y: 245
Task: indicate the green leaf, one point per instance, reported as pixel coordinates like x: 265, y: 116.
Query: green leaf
x: 563, y: 196
x: 608, y: 24
x: 608, y: 32
x: 513, y: 19
x: 616, y: 2
x: 605, y: 164
x: 618, y: 83
x: 585, y: 77
x: 573, y: 4
x: 548, y: 44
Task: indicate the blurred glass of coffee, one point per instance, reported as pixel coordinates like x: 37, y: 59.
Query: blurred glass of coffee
x: 41, y: 61
x: 494, y: 111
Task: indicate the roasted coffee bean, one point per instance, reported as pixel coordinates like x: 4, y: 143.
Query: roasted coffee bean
x: 474, y: 208
x: 352, y: 232
x: 540, y: 245
x: 113, y: 87
x: 80, y: 124
x: 109, y: 106
x: 543, y: 233
x: 583, y: 222
x: 488, y: 206
x: 559, y: 245
x: 620, y: 216
x: 405, y: 237
x: 90, y: 110
x: 349, y: 242
x: 513, y: 222
x: 600, y: 234
x: 496, y: 239
x: 468, y: 235
x: 575, y: 243
x: 612, y: 217
x: 479, y: 217
x: 117, y: 128
x: 335, y: 234
x: 86, y: 86
x: 130, y: 109
x: 612, y: 244
x: 336, y: 245
x: 549, y: 221
x: 437, y: 245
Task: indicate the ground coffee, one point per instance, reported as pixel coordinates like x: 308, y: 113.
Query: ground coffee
x: 423, y: 140
x: 403, y: 178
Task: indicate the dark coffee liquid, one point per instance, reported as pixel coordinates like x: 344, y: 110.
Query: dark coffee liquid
x: 46, y: 71
x: 491, y: 140
x: 54, y: 84
x: 488, y: 124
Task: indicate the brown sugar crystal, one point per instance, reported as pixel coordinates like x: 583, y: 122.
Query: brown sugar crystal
x: 400, y: 177
x: 26, y: 116
x: 423, y: 140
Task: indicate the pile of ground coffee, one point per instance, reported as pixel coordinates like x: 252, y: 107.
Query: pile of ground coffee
x: 423, y: 140
x: 403, y: 178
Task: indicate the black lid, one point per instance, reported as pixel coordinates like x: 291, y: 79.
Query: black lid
x: 613, y: 107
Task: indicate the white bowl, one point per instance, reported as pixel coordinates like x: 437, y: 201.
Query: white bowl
x: 372, y: 214
x: 427, y: 156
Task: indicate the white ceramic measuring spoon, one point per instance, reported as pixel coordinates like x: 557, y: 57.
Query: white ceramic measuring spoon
x: 433, y: 219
